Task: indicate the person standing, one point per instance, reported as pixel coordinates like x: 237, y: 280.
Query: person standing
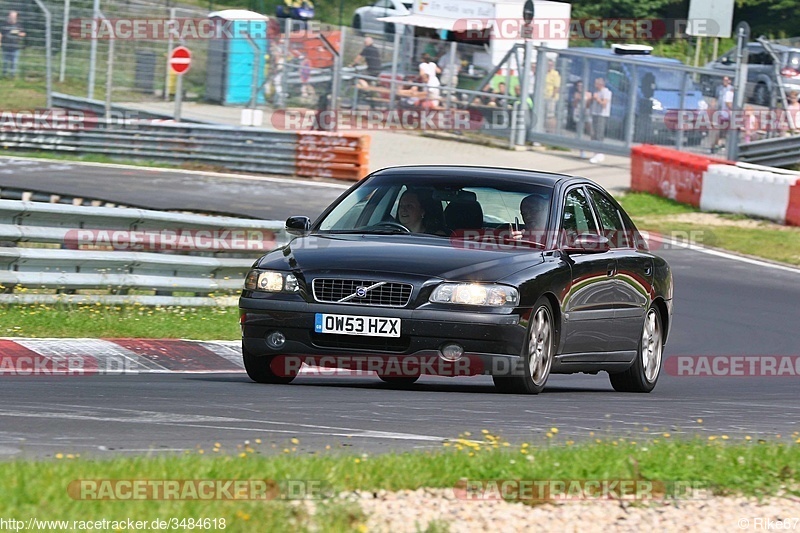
x: 552, y: 92
x: 11, y: 36
x: 372, y: 57
x: 600, y: 108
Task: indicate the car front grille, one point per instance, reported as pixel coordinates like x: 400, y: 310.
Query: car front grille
x: 344, y: 291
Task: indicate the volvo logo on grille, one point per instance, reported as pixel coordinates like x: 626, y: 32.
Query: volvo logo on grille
x: 361, y: 291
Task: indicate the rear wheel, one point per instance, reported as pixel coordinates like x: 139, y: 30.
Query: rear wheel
x: 259, y: 370
x: 643, y: 374
x: 538, y: 357
x: 761, y: 95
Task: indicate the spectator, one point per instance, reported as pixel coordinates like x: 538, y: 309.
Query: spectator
x: 429, y: 67
x: 791, y: 126
x: 11, y: 36
x: 722, y: 92
x: 600, y: 107
x: 750, y: 124
x: 372, y: 57
x: 450, y: 76
x: 432, y: 91
x: 552, y: 92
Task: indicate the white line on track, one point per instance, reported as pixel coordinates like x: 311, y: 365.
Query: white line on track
x: 720, y: 253
x: 246, y: 177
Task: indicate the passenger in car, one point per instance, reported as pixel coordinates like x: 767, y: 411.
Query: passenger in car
x: 534, y: 209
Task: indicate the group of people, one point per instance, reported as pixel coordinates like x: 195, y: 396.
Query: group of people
x: 595, y: 108
x: 11, y: 40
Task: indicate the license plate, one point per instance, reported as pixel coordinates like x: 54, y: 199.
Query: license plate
x: 370, y: 326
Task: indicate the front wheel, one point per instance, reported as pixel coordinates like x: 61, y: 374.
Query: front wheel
x: 259, y: 370
x: 643, y: 374
x: 538, y: 357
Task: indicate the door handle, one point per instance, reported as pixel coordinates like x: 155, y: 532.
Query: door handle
x: 612, y: 269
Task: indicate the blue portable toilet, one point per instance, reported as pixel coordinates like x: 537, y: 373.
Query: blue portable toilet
x: 231, y: 56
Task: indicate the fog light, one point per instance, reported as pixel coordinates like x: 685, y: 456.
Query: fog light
x: 452, y: 352
x: 276, y: 340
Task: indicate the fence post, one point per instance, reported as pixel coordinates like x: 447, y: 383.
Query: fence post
x: 93, y: 49
x: 525, y: 79
x: 109, y: 68
x: 681, y: 104
x: 633, y: 92
x: 395, y: 59
x: 64, y: 35
x: 738, y: 93
x: 48, y: 51
x: 170, y: 46
x: 538, y: 92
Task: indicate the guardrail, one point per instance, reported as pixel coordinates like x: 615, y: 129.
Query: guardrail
x: 98, y: 108
x: 49, y: 252
x: 777, y: 152
x: 258, y: 150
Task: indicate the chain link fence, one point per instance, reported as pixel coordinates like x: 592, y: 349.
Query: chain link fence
x: 285, y: 64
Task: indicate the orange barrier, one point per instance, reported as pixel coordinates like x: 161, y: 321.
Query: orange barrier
x: 670, y: 173
x: 793, y: 210
x: 332, y: 155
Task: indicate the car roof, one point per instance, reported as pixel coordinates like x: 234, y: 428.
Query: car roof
x: 606, y: 53
x: 536, y: 177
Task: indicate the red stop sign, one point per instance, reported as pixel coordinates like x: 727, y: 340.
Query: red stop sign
x: 180, y: 59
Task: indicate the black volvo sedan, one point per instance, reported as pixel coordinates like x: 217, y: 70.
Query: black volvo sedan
x: 455, y: 270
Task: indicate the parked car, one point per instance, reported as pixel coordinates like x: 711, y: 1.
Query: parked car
x: 761, y: 85
x: 651, y: 103
x: 366, y: 17
x: 471, y: 289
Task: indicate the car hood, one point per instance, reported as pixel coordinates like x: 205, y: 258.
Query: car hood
x: 407, y: 255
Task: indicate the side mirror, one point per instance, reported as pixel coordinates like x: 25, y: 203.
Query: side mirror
x: 298, y: 225
x: 588, y: 243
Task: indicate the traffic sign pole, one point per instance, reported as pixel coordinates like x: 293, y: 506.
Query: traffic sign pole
x: 178, y: 97
x: 180, y: 60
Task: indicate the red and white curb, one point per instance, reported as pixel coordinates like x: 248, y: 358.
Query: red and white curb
x: 117, y: 356
x: 81, y: 357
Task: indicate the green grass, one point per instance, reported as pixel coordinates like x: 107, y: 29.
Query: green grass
x: 107, y: 321
x: 721, y: 467
x: 736, y: 233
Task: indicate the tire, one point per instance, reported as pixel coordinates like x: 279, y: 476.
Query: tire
x: 537, y: 360
x: 258, y: 369
x: 399, y: 380
x: 643, y: 374
x: 761, y: 95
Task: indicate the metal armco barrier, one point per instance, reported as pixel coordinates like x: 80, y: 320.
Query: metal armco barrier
x: 717, y: 185
x: 120, y: 249
x: 777, y: 152
x: 307, y: 154
x: 98, y: 108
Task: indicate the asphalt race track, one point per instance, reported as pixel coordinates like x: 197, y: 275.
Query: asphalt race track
x: 267, y: 198
x: 723, y: 307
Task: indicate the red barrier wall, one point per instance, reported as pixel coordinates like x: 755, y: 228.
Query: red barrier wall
x: 793, y: 211
x: 670, y: 173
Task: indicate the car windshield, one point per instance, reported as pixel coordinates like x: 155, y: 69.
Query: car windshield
x: 667, y: 80
x: 436, y: 206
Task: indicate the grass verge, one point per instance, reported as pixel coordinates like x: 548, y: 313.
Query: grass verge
x: 129, y: 321
x: 39, y: 488
x: 737, y: 233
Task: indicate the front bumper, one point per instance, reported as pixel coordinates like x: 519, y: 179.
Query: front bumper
x: 490, y: 340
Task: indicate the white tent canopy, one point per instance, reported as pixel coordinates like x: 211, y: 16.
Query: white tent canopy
x: 437, y: 23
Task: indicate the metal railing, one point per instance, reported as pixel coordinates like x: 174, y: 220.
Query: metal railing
x: 775, y: 152
x: 45, y: 258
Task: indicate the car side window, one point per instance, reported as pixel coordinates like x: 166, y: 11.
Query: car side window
x: 577, y: 218
x: 610, y: 220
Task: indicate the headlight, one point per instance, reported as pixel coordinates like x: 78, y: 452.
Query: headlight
x: 271, y: 281
x: 657, y: 105
x: 475, y: 294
